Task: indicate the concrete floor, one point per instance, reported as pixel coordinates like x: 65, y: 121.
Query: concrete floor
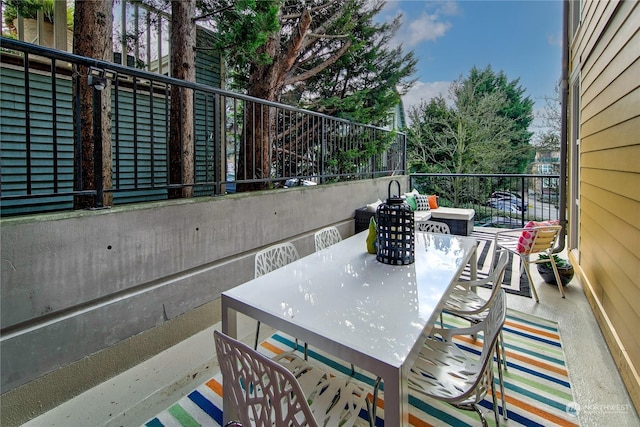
x: 132, y: 398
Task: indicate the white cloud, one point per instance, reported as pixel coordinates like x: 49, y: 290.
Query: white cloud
x: 424, y: 91
x: 428, y: 27
x: 554, y: 40
x: 449, y: 8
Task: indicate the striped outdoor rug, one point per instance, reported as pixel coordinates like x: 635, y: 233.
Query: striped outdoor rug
x: 536, y: 383
x: 511, y: 283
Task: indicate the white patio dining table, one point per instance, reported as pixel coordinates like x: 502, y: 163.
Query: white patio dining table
x: 343, y: 301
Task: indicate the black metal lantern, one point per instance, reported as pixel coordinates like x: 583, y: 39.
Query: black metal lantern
x: 395, y: 236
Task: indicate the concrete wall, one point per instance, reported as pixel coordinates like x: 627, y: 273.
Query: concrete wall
x: 88, y: 294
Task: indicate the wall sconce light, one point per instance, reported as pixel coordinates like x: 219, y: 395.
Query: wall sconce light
x: 97, y: 78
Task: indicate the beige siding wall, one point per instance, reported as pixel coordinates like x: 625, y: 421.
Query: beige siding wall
x: 605, y: 54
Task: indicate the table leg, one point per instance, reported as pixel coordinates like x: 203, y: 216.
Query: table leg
x: 229, y: 327
x: 474, y: 263
x: 396, y: 399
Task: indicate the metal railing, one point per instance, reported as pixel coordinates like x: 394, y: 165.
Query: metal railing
x: 500, y: 200
x: 238, y: 140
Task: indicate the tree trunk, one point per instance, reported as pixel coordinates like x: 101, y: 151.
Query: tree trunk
x: 266, y: 82
x: 181, y: 145
x: 92, y: 37
x: 255, y: 159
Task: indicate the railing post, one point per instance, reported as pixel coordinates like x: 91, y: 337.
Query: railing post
x: 404, y: 153
x: 522, y: 191
x: 323, y: 148
x: 92, y: 142
x: 97, y: 85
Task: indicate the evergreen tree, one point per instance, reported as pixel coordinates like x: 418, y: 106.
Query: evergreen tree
x: 517, y: 108
x: 328, y: 55
x: 367, y: 81
x: 483, y: 132
x: 315, y: 54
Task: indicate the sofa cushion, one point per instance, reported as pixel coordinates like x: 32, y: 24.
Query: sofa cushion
x: 411, y: 193
x: 421, y: 215
x: 433, y: 201
x: 453, y: 213
x: 526, y: 238
x: 372, y: 207
x: 412, y: 202
x: 422, y: 202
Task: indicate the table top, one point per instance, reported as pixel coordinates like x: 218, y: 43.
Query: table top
x: 342, y: 294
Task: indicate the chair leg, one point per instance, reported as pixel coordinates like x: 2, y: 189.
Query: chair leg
x: 525, y: 263
x: 504, y: 351
x: 374, y: 403
x: 494, y: 398
x: 255, y: 346
x: 555, y: 272
x: 483, y: 420
x: 501, y: 381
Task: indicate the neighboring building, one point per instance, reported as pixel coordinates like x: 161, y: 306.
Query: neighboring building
x: 547, y: 162
x: 603, y: 198
x: 395, y: 121
x: 148, y: 52
x: 396, y: 118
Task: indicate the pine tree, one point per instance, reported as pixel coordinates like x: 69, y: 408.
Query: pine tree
x: 327, y: 55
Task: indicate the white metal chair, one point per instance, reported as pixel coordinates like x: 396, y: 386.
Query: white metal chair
x: 432, y: 227
x: 444, y: 372
x: 270, y: 259
x: 464, y: 302
x: 326, y: 237
x: 528, y: 241
x: 266, y: 393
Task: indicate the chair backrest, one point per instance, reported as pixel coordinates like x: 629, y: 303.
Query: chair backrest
x: 491, y: 327
x: 529, y: 240
x: 326, y: 237
x: 263, y: 392
x: 496, y: 274
x: 477, y: 378
x: 274, y: 257
x: 432, y: 227
x: 544, y: 239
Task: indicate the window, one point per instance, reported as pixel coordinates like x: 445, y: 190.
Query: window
x: 545, y: 169
x: 576, y: 6
x: 141, y: 37
x: 574, y: 177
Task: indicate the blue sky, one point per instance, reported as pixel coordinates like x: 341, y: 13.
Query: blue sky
x: 520, y: 37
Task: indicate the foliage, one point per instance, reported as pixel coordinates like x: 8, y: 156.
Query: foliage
x: 325, y: 55
x: 242, y: 27
x: 517, y: 108
x: 551, y: 116
x: 560, y: 262
x: 465, y: 138
x: 484, y: 131
x: 366, y: 82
